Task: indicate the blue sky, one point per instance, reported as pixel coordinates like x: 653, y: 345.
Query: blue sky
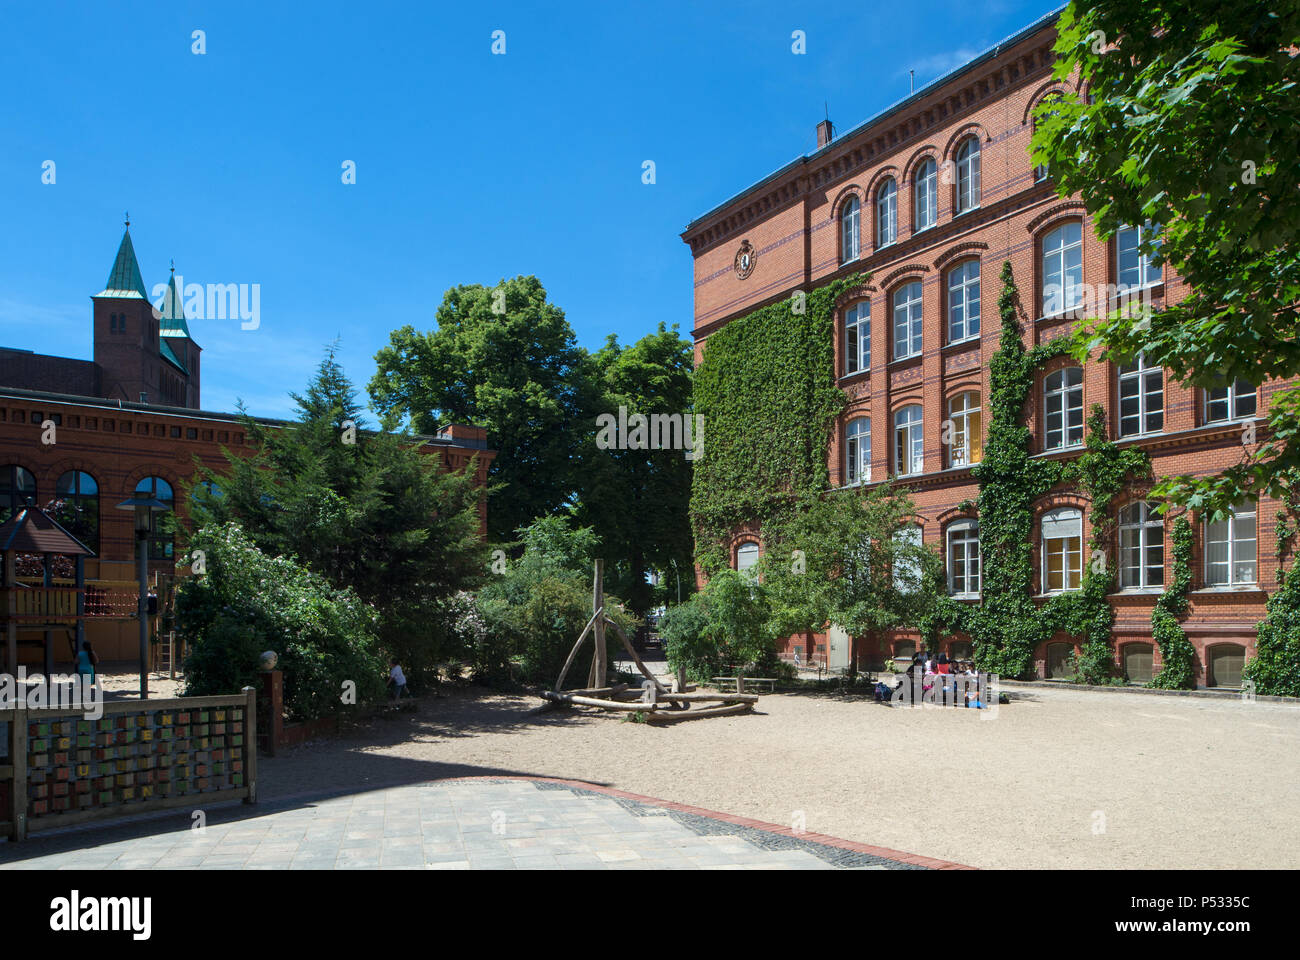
x: 470, y: 166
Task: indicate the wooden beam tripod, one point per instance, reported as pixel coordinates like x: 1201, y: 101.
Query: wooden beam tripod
x: 654, y: 698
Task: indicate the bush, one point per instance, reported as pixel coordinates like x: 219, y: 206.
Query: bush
x: 684, y: 629
x: 248, y: 602
x: 728, y: 623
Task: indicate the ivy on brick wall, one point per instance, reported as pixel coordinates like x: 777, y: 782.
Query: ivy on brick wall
x: 1275, y: 669
x: 1177, y: 655
x: 766, y: 388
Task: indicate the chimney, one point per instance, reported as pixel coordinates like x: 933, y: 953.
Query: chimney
x: 825, y: 131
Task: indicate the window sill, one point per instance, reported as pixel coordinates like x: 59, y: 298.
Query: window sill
x: 963, y: 342
x: 962, y: 213
x: 1239, y: 588
x: 968, y: 597
x: 1057, y: 593
x: 902, y: 361
x: 1138, y: 592
x: 917, y: 231
x: 855, y: 375
x: 885, y: 246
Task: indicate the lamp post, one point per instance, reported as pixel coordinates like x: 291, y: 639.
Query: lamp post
x: 143, y: 508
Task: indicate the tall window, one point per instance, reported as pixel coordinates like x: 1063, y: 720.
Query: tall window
x: 161, y: 542
x: 887, y: 213
x: 964, y: 559
x: 1063, y: 268
x: 857, y: 451
x: 907, y: 321
x: 1141, y: 546
x: 79, y: 513
x: 1133, y: 268
x: 1062, y: 550
x: 1141, y: 398
x: 907, y: 564
x: 966, y: 438
x: 927, y: 195
x: 747, y: 558
x: 857, y: 337
x: 850, y: 230
x: 1063, y: 408
x: 1230, y: 548
x: 909, y: 448
x: 964, y: 301
x: 968, y: 175
x: 16, y: 485
x: 1236, y: 401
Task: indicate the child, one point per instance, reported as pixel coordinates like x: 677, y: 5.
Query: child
x: 87, y: 660
x: 396, y: 680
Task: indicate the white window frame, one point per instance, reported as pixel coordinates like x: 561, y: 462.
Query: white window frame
x: 857, y: 451
x: 857, y: 332
x: 908, y: 569
x: 968, y: 175
x: 1142, y: 540
x: 964, y: 534
x: 1071, y: 413
x: 745, y: 548
x: 1146, y: 384
x: 1062, y: 261
x: 887, y: 213
x: 851, y: 230
x: 927, y: 195
x: 964, y: 301
x: 1128, y: 241
x: 959, y: 450
x: 1233, y: 397
x: 909, y: 436
x: 1227, y: 532
x: 1056, y: 521
x: 908, y: 316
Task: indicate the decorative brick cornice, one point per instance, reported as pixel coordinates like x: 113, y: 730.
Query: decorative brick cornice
x: 1057, y: 210
x: 958, y: 251
x: 902, y: 272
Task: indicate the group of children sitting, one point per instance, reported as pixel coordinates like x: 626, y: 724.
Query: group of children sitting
x: 937, y: 671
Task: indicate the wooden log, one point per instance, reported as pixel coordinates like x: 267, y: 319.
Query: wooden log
x: 633, y: 706
x: 600, y: 612
x: 721, y: 711
x: 591, y: 691
x: 727, y: 697
x: 599, y: 664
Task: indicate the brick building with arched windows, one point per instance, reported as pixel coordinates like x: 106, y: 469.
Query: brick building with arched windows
x: 930, y: 198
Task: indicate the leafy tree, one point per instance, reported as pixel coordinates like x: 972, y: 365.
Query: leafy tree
x: 637, y: 499
x: 1189, y: 118
x: 364, y: 510
x: 728, y: 623
x: 248, y: 601
x: 505, y: 358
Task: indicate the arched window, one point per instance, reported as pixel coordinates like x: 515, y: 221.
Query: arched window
x: 907, y: 321
x: 964, y: 559
x: 1062, y: 537
x: 927, y: 195
x: 1063, y: 409
x: 909, y: 444
x: 1141, y: 398
x: 907, y: 562
x: 1141, y: 546
x: 857, y: 337
x: 857, y: 451
x: 964, y: 301
x: 968, y: 175
x: 79, y: 510
x: 1063, y: 269
x: 887, y: 213
x: 161, y: 542
x: 746, y: 557
x: 850, y: 230
x: 16, y: 485
x: 966, y: 437
x: 1230, y: 548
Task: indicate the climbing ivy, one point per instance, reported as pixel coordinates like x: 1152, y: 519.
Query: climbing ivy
x: 766, y: 389
x: 1275, y: 668
x: 1177, y: 655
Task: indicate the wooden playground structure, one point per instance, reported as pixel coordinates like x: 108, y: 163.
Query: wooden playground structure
x: 656, y: 702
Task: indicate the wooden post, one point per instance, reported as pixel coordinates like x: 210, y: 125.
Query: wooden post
x: 250, y: 742
x: 81, y: 608
x: 681, y: 678
x: 11, y: 585
x: 18, y: 786
x: 740, y: 681
x: 598, y: 603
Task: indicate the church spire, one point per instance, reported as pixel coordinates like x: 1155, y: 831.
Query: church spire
x: 124, y: 280
x: 171, y: 314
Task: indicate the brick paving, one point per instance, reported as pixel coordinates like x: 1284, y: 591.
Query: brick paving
x: 489, y: 823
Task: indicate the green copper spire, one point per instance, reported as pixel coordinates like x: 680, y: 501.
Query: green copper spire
x: 124, y: 279
x: 171, y: 313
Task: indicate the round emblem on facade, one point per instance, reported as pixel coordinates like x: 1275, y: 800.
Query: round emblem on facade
x: 746, y: 257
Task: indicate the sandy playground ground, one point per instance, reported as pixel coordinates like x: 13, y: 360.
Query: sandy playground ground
x: 1059, y: 778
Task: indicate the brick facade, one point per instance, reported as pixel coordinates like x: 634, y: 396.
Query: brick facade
x: 793, y: 221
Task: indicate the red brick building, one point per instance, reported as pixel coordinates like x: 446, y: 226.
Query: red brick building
x: 130, y: 420
x: 930, y: 197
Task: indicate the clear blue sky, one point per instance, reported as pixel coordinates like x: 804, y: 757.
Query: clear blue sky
x: 470, y: 167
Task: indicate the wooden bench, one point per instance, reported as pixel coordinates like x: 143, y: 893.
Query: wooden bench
x: 744, y: 683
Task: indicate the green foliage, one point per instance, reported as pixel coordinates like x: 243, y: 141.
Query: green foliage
x: 376, y: 516
x: 504, y: 358
x: 248, y: 602
x: 1193, y: 122
x: 1177, y: 655
x: 1275, y: 669
x: 728, y: 623
x: 688, y: 643
x: 766, y: 388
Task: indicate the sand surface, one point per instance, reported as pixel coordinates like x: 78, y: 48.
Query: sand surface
x: 1059, y: 778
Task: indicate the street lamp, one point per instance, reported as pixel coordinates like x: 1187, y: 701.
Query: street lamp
x: 144, y: 509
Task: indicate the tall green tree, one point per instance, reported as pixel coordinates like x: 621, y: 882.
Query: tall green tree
x: 364, y: 510
x: 1189, y: 118
x: 505, y: 358
x: 637, y: 499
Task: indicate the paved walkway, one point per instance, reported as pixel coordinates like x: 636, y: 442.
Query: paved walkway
x: 519, y: 824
